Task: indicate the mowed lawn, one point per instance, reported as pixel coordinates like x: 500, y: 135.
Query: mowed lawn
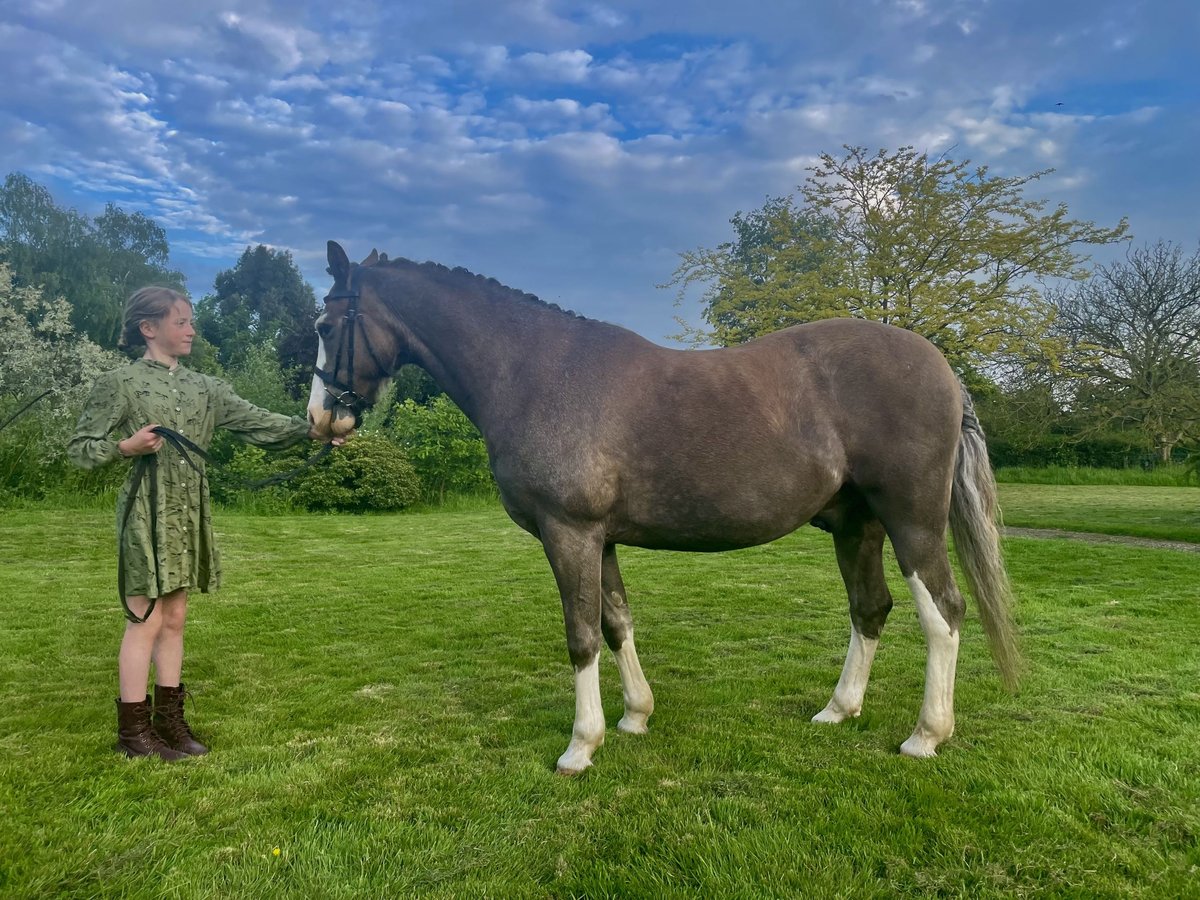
x: 386, y: 696
x: 1167, y: 513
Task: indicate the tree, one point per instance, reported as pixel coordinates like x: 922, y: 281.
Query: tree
x: 40, y: 351
x: 1133, y: 337
x: 757, y: 283
x: 93, y: 265
x: 950, y: 252
x: 263, y: 301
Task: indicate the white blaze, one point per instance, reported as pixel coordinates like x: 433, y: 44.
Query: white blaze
x: 316, y: 397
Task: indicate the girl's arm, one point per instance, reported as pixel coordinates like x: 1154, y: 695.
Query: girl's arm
x: 91, y: 445
x: 253, y: 424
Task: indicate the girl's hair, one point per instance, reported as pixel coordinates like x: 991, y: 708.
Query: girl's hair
x: 146, y: 304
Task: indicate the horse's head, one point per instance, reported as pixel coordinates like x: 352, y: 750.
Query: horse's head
x: 356, y: 352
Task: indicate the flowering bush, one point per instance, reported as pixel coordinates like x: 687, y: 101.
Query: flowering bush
x: 39, y: 351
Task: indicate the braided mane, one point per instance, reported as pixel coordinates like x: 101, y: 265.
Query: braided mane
x: 490, y: 286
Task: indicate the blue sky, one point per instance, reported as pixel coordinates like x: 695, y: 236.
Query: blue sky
x: 574, y: 149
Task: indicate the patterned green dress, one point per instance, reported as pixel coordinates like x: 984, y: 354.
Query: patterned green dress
x: 147, y: 392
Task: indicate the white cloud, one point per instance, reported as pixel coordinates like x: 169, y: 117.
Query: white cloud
x: 562, y: 113
x: 568, y: 66
x: 594, y: 131
x: 252, y: 41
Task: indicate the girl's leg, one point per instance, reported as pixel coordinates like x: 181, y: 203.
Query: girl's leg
x: 169, y: 721
x: 135, y: 736
x: 168, y: 648
x: 137, y: 647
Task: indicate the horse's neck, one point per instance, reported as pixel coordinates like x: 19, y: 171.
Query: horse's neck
x: 477, y: 345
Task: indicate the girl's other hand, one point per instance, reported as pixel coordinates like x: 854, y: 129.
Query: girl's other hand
x: 141, y: 442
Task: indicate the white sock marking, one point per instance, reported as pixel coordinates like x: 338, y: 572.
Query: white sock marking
x: 847, y: 697
x: 936, y: 722
x: 588, y: 732
x: 639, y: 700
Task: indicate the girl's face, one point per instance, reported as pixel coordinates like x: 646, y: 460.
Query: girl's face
x: 172, y: 334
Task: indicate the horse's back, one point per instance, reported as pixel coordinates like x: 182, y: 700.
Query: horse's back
x: 711, y: 449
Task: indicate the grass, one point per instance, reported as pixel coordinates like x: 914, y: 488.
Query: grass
x: 1164, y: 513
x: 1173, y: 475
x: 386, y: 697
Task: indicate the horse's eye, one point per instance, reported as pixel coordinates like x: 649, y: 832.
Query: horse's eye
x: 324, y: 329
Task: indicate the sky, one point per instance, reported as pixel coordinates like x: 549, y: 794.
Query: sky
x: 574, y: 149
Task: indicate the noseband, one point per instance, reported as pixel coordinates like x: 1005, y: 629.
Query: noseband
x: 344, y: 394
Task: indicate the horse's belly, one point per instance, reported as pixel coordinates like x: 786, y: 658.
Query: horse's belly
x: 712, y: 523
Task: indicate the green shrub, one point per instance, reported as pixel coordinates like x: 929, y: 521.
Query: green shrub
x: 245, y: 463
x: 447, y: 451
x: 368, y: 473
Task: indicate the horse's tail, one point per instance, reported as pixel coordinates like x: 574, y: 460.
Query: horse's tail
x: 975, y: 524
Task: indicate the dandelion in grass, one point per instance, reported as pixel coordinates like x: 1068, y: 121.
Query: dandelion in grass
x: 275, y: 852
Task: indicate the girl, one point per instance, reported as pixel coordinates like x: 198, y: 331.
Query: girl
x: 164, y: 524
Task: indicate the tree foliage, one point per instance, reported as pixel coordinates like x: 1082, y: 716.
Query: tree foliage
x: 931, y: 245
x: 94, y: 265
x: 39, y: 351
x: 761, y: 280
x: 262, y: 301
x: 1133, y: 338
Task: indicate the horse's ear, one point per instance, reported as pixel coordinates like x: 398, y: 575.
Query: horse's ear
x: 383, y: 257
x: 339, y: 262
x: 372, y: 259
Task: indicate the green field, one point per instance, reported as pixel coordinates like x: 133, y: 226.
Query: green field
x: 1153, y: 512
x: 386, y: 696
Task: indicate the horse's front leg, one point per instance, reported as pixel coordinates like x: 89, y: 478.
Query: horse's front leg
x: 575, y: 553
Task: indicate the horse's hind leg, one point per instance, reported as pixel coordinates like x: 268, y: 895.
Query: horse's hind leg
x: 921, y: 553
x: 617, y: 624
x: 858, y: 540
x: 575, y: 555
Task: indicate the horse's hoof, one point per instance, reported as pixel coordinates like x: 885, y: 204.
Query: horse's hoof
x: 831, y: 715
x: 573, y: 762
x: 919, y: 746
x: 633, y: 725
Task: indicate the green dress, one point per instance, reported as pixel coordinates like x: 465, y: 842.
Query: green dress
x: 147, y: 392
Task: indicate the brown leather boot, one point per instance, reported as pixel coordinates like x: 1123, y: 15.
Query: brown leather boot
x: 169, y: 723
x: 135, y: 737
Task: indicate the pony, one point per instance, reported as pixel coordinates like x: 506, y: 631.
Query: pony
x: 599, y: 438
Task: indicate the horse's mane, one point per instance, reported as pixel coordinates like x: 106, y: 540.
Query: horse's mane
x: 489, y: 286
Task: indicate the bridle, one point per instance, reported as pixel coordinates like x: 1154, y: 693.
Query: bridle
x: 344, y: 394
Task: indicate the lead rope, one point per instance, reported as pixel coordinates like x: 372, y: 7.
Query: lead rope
x: 147, y: 465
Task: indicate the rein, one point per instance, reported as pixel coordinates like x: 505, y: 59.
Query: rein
x: 15, y: 415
